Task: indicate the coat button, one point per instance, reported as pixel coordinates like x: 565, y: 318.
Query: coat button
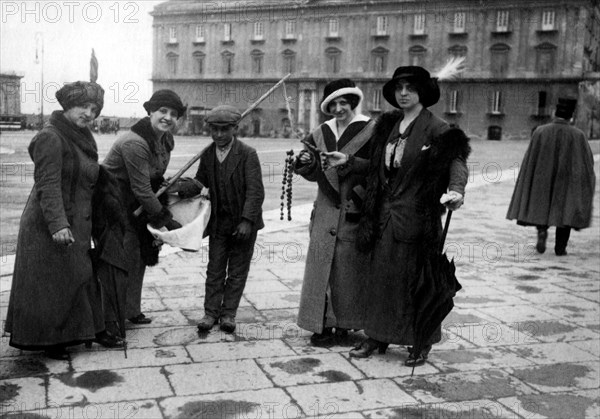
x: 87, y: 217
x: 333, y: 232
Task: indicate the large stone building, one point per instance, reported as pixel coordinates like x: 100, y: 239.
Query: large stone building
x: 10, y: 102
x: 520, y: 56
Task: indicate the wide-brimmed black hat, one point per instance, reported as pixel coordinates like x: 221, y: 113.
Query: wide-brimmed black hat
x: 427, y: 87
x: 168, y: 98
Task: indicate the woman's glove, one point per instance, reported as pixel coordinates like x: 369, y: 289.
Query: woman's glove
x: 64, y: 236
x: 305, y: 157
x: 452, y: 200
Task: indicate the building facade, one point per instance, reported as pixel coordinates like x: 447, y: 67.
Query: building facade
x: 10, y: 102
x: 519, y: 57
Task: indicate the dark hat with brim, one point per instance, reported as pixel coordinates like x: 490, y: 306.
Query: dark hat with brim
x: 79, y: 93
x: 565, y: 107
x: 167, y: 98
x: 223, y: 115
x: 338, y: 88
x: 427, y: 87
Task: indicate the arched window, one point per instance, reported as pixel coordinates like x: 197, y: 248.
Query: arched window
x: 257, y: 61
x: 458, y: 51
x: 227, y: 62
x: 417, y: 55
x: 289, y: 61
x: 172, y: 61
x: 333, y: 59
x: 499, y: 59
x: 198, y: 62
x: 379, y: 58
x: 545, y: 58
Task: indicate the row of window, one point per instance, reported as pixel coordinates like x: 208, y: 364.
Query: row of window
x: 499, y: 62
x: 453, y: 102
x: 382, y: 26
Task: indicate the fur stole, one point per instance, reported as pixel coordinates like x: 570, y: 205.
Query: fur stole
x: 143, y: 128
x: 448, y: 146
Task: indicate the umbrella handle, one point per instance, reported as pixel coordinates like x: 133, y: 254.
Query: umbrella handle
x: 445, y: 232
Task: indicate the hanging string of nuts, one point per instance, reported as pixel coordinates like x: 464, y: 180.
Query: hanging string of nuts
x: 286, y: 185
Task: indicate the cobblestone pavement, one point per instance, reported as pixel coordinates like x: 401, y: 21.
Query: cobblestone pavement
x: 522, y: 342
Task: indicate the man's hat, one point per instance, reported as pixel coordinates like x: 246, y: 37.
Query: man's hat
x: 565, y: 107
x: 339, y: 88
x: 427, y: 87
x: 223, y: 115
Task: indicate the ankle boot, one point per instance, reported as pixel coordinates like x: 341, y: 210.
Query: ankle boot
x: 541, y: 241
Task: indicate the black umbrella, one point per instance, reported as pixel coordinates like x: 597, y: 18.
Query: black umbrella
x: 433, y: 297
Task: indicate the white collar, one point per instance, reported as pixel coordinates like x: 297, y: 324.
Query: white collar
x: 331, y: 123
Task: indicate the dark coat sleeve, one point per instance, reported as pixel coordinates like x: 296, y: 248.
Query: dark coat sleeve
x: 308, y: 171
x: 47, y: 154
x: 136, y: 156
x: 255, y: 191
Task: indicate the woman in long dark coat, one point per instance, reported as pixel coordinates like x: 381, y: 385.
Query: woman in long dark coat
x: 333, y: 283
x: 416, y: 158
x: 55, y: 299
x: 138, y: 160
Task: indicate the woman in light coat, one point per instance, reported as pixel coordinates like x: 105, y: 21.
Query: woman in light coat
x: 330, y: 302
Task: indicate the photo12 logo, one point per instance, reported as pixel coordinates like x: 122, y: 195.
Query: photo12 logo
x: 69, y: 11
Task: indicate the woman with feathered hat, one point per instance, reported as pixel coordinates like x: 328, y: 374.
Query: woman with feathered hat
x: 55, y: 299
x: 416, y: 157
x: 332, y: 284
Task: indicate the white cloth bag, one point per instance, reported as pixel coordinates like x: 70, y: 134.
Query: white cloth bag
x: 193, y: 214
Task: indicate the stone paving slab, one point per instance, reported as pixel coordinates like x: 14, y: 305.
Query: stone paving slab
x: 216, y: 377
x: 269, y: 403
x: 21, y: 394
x: 553, y: 353
x: 560, y: 377
x: 465, y: 409
x: 576, y: 404
x: 322, y: 368
x: 101, y: 386
x: 476, y: 359
x: 139, y: 409
x: 224, y: 351
x: 115, y: 359
x: 320, y: 400
x: 463, y: 386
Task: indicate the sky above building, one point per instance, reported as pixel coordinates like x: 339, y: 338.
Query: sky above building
x: 120, y: 32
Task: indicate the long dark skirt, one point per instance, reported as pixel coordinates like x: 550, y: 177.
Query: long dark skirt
x: 390, y: 312
x: 114, y: 294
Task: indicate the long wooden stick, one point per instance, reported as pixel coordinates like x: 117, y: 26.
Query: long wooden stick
x: 194, y: 159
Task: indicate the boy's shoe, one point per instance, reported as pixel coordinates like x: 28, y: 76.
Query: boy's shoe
x: 206, y: 323
x: 228, y: 324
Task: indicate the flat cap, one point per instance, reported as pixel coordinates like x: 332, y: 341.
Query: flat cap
x: 223, y: 115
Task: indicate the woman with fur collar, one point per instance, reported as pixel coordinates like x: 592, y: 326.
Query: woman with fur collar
x: 416, y: 157
x: 138, y: 160
x: 332, y: 284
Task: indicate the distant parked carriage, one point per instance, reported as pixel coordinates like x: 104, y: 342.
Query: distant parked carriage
x: 12, y: 122
x: 108, y: 125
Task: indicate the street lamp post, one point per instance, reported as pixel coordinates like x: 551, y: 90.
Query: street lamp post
x: 39, y: 56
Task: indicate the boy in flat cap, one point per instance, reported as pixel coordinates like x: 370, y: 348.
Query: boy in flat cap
x: 231, y: 171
